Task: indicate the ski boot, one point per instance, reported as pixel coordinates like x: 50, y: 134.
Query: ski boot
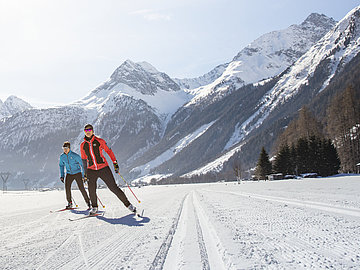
x: 69, y: 206
x: 132, y: 208
x: 93, y: 211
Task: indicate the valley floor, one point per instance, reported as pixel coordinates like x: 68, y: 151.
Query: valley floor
x: 292, y: 224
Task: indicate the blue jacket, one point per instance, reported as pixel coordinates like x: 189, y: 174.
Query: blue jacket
x: 72, y: 162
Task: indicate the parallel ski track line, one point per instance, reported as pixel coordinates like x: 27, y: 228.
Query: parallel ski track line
x: 73, y: 237
x: 308, y: 204
x: 202, y: 247
x: 160, y: 257
x: 27, y: 231
x: 298, y: 243
x: 220, y: 259
x: 119, y: 249
x: 14, y: 229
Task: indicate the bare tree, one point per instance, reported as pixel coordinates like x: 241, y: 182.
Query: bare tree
x: 5, y: 177
x: 237, y: 168
x: 26, y: 183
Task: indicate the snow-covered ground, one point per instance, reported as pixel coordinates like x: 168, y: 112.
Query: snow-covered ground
x: 292, y: 224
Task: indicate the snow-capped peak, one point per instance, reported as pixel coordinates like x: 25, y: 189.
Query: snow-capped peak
x: 13, y: 105
x: 335, y: 50
x: 267, y: 56
x: 142, y: 77
x: 138, y: 81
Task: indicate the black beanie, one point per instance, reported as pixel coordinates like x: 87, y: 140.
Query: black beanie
x: 88, y: 126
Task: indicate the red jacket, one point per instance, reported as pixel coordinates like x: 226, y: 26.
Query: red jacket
x: 92, y: 151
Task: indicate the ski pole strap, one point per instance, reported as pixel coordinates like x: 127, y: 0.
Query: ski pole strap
x: 130, y: 188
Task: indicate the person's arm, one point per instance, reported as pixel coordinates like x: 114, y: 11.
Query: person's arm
x: 81, y: 164
x: 108, y: 151
x: 111, y: 155
x: 62, y: 172
x: 84, y: 159
x: 84, y: 162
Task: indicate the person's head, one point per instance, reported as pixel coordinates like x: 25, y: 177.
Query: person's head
x: 89, y: 130
x: 66, y: 147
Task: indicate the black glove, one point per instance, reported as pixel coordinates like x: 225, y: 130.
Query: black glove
x: 116, y: 167
x: 62, y: 179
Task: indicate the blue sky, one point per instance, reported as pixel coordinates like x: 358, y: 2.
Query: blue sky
x: 55, y: 52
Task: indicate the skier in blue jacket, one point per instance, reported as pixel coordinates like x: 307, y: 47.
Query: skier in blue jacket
x: 74, y: 171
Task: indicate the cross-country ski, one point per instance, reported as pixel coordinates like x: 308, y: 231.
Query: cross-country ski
x: 63, y: 209
x: 88, y: 216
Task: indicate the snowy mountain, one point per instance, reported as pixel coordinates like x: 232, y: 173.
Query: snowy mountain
x: 13, y: 105
x: 130, y: 110
x: 264, y: 58
x: 247, y: 117
x: 160, y: 126
x: 304, y: 80
x: 202, y: 80
x: 138, y: 81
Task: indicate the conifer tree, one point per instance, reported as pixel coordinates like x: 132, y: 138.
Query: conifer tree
x: 283, y: 162
x: 331, y: 161
x: 302, y: 154
x: 264, y: 166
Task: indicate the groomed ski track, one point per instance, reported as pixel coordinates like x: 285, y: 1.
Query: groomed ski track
x: 301, y: 224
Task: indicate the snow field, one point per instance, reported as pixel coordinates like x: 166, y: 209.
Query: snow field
x: 292, y: 224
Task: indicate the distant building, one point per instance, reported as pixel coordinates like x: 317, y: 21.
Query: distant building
x: 275, y: 176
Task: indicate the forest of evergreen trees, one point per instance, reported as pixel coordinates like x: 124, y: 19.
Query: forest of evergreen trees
x: 326, y: 146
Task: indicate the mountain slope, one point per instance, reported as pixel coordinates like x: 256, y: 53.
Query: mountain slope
x: 265, y: 57
x: 253, y: 116
x: 13, y: 105
x: 156, y: 127
x: 300, y: 84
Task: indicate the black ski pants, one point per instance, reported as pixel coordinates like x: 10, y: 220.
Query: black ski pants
x: 78, y: 178
x: 106, y: 175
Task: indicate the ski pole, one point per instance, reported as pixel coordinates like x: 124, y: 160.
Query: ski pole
x: 130, y: 188
x: 100, y: 202
x: 74, y: 201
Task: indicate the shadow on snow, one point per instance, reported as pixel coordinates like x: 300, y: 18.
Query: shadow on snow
x: 129, y: 220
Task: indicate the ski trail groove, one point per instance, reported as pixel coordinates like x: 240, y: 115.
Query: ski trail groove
x: 202, y: 247
x: 218, y: 257
x: 81, y: 244
x: 53, y: 265
x: 160, y: 257
x: 309, y: 204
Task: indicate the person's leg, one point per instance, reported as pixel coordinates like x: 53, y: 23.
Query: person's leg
x: 92, y: 179
x: 69, y: 178
x: 107, y: 176
x: 80, y: 183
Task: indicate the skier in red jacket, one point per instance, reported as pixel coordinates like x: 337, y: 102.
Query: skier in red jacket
x: 95, y: 166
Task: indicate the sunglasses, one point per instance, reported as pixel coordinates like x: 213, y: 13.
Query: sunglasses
x: 65, y: 147
x: 87, y: 130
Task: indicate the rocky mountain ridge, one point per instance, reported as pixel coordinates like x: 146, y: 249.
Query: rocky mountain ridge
x: 158, y: 127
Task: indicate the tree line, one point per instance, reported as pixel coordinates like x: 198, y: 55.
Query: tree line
x: 324, y: 146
